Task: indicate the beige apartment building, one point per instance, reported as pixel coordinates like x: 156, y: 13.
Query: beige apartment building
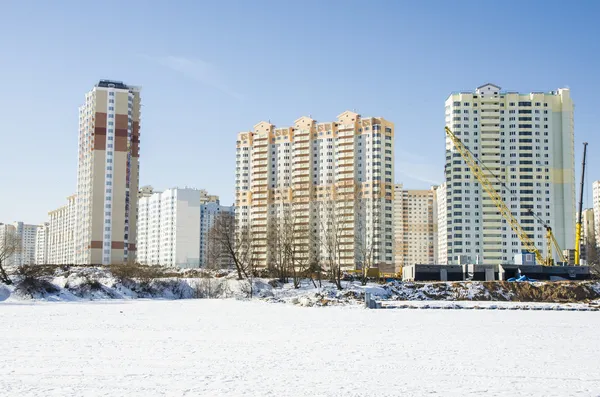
x: 525, y: 141
x: 108, y: 174
x: 588, y: 228
x: 333, y: 180
x: 415, y: 226
x: 61, y: 234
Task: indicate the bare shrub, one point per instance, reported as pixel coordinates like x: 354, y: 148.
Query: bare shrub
x: 33, y: 287
x: 211, y: 288
x: 36, y: 271
x: 143, y: 273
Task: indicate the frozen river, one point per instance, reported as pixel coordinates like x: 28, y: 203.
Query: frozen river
x: 235, y: 348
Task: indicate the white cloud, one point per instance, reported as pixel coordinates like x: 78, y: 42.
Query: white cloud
x: 198, y: 70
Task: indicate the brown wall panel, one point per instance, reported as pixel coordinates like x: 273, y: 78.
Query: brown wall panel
x: 100, y: 140
x: 120, y: 144
x: 96, y: 244
x: 121, y: 121
x: 100, y: 119
x: 118, y: 245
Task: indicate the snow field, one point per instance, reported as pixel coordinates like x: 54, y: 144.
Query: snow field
x: 240, y: 348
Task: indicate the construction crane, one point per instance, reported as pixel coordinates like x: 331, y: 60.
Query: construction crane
x: 579, y: 214
x: 483, y: 180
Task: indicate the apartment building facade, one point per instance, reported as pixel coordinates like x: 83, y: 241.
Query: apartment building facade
x: 61, y: 233
x: 209, y: 212
x: 41, y: 243
x: 442, y: 233
x: 525, y: 142
x: 108, y: 174
x: 27, y: 235
x: 329, y: 178
x: 169, y: 228
x: 415, y: 226
x: 8, y: 232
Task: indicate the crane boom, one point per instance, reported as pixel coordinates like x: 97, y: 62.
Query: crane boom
x: 579, y: 214
x: 496, y: 198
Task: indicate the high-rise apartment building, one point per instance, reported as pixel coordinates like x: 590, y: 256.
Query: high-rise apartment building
x: 41, y: 244
x: 415, y: 226
x: 61, y: 234
x: 209, y: 212
x: 333, y: 180
x: 169, y: 228
x: 107, y: 174
x: 596, y: 209
x: 525, y: 143
x: 27, y: 235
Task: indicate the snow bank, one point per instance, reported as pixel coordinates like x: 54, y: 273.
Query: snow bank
x: 99, y: 283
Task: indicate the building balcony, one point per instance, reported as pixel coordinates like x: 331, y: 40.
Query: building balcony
x: 490, y: 128
x: 301, y: 138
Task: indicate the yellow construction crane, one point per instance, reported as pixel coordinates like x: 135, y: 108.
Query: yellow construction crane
x: 483, y: 180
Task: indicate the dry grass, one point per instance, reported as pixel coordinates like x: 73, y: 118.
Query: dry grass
x: 561, y: 291
x: 139, y: 272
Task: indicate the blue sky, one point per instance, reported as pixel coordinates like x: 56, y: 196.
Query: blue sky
x: 212, y: 69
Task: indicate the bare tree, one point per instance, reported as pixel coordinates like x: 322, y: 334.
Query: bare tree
x: 278, y: 253
x: 10, y: 244
x: 315, y: 268
x: 332, y: 233
x: 366, y: 236
x: 593, y: 259
x: 214, y: 250
x: 236, y: 244
x: 297, y: 237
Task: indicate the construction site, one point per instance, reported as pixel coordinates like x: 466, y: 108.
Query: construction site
x: 530, y: 265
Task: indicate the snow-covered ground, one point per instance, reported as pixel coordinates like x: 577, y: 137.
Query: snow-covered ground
x: 206, y: 347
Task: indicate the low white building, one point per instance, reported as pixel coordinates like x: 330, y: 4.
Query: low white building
x: 169, y: 228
